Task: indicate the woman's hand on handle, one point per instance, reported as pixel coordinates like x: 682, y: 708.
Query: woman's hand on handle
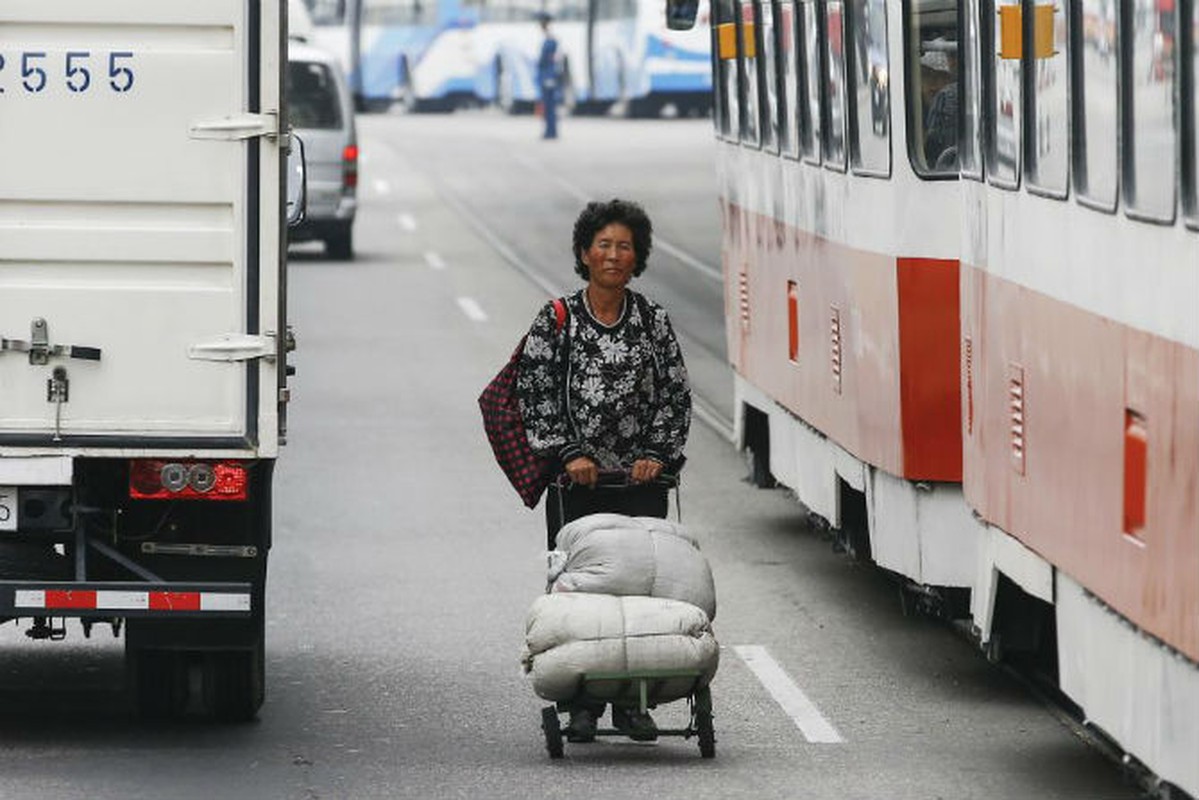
x: 583, y: 471
x: 645, y: 470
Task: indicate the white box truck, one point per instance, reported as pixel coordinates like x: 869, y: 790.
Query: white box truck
x: 143, y: 335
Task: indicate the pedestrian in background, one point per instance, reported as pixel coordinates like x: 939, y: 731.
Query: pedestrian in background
x: 548, y: 78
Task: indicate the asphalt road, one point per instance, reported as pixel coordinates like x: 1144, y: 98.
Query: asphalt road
x: 403, y: 563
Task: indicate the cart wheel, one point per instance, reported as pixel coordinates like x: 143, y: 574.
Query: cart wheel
x: 705, y: 732
x: 553, y: 731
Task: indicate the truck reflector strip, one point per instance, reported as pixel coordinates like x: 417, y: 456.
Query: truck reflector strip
x: 104, y: 600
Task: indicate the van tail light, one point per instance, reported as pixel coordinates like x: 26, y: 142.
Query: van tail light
x: 156, y: 479
x: 349, y: 167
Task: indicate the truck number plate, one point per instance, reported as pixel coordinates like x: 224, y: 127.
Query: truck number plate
x: 8, y: 508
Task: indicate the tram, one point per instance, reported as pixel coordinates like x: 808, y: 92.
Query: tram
x: 961, y: 258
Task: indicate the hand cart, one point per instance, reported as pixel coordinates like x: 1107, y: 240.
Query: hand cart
x: 643, y: 687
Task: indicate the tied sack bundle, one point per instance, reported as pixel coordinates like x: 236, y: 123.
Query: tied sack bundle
x: 568, y: 636
x: 616, y: 554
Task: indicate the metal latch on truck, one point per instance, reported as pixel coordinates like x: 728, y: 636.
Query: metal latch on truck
x: 41, y: 351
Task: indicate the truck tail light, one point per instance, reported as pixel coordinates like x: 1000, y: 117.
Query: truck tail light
x: 156, y: 479
x: 349, y: 167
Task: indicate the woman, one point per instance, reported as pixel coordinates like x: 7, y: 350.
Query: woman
x: 606, y: 391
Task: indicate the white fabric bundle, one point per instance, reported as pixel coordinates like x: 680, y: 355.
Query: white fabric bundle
x: 570, y: 635
x: 616, y: 554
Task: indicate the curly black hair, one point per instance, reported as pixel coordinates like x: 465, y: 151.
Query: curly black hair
x: 597, y: 216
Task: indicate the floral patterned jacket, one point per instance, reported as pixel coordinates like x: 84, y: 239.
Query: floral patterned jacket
x: 626, y: 397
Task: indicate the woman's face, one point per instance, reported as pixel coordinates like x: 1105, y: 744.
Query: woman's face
x: 611, y: 258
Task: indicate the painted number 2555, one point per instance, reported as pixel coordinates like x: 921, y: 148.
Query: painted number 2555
x: 79, y: 70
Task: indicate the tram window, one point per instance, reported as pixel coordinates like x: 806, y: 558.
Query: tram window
x: 834, y: 53
x: 871, y: 140
x: 768, y: 77
x: 933, y: 77
x: 1191, y: 68
x: 747, y: 40
x: 970, y: 96
x: 726, y: 109
x: 1048, y: 148
x: 1004, y: 97
x: 1149, y: 159
x: 789, y: 64
x: 811, y: 119
x: 1096, y: 91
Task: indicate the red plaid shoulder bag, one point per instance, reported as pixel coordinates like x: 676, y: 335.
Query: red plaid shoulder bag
x: 528, y: 472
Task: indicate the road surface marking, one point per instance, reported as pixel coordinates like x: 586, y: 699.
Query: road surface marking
x: 471, y: 309
x: 407, y: 222
x: 498, y: 244
x: 787, y: 694
x: 382, y: 186
x: 434, y: 260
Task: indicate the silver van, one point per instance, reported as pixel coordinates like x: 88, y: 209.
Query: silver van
x: 322, y: 115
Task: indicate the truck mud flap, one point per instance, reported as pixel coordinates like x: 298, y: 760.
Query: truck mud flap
x: 132, y: 599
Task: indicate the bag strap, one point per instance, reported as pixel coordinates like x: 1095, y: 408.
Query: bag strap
x: 559, y: 313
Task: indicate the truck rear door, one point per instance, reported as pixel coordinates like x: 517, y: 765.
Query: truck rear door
x: 138, y: 223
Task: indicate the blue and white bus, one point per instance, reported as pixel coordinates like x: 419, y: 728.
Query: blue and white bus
x: 635, y: 60
x: 415, y: 52
x: 612, y: 53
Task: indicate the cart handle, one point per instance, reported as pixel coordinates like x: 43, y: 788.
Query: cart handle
x: 619, y: 479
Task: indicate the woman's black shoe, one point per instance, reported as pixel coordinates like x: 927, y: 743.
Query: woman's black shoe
x: 581, y: 728
x: 635, y: 724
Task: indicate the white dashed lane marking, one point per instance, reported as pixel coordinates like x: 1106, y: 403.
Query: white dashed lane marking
x: 786, y: 693
x: 407, y: 222
x: 434, y: 260
x: 472, y: 309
